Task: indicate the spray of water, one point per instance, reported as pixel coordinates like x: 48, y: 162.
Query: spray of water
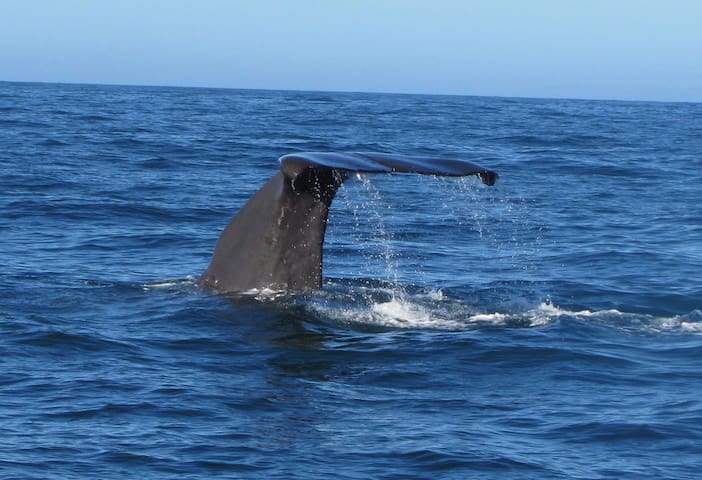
x: 378, y: 297
x: 488, y: 225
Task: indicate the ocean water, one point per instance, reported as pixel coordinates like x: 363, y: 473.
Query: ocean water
x: 548, y: 327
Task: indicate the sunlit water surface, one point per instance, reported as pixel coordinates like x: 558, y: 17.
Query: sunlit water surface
x: 547, y: 327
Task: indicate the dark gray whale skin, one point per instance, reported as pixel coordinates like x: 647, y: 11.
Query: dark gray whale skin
x: 275, y: 241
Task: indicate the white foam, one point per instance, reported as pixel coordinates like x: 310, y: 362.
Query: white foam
x: 161, y: 285
x: 492, y: 318
x: 691, y: 327
x: 264, y: 294
x: 433, y: 310
x: 436, y: 295
x: 166, y: 284
x: 401, y: 313
x: 638, y: 321
x: 429, y: 310
x: 680, y: 323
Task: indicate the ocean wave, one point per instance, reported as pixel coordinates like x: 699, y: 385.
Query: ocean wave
x: 434, y: 310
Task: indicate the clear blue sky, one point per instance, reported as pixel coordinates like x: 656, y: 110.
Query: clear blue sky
x: 621, y: 49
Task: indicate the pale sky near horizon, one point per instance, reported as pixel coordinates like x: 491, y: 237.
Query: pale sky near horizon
x: 594, y: 49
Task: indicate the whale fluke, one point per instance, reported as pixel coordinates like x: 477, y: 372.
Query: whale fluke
x: 275, y: 241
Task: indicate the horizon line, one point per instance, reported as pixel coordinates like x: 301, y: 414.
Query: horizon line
x: 371, y: 92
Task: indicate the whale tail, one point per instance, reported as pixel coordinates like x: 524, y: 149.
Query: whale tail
x: 275, y: 241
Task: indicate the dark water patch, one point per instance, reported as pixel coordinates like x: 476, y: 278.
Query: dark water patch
x: 553, y: 141
x: 611, y: 432
x: 436, y: 462
x: 95, y: 118
x: 53, y: 143
x: 111, y: 410
x: 23, y: 124
x: 67, y: 342
x: 127, y: 142
x: 160, y: 163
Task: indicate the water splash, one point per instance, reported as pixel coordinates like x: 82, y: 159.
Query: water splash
x: 389, y: 306
x: 383, y: 307
x: 369, y: 231
x: 508, y: 232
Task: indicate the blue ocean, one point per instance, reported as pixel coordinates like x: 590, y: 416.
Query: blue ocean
x: 548, y: 327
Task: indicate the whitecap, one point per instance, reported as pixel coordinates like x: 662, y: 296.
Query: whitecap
x: 170, y: 283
